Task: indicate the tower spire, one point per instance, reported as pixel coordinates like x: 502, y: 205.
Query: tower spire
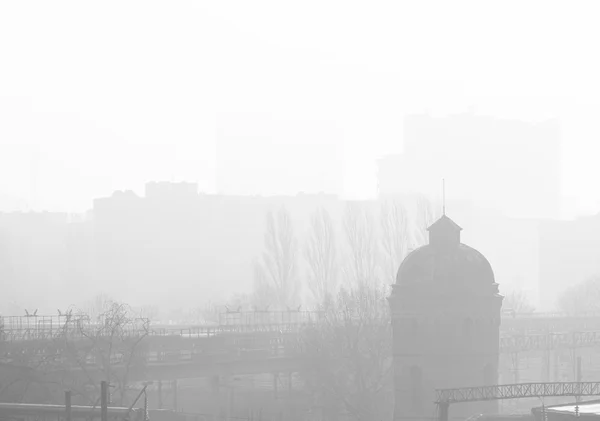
x: 443, y: 196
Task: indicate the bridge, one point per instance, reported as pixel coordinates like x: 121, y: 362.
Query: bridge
x: 251, y: 342
x: 446, y: 397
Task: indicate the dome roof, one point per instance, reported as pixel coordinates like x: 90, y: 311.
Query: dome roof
x: 445, y: 261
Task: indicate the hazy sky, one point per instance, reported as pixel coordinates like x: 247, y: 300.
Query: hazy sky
x: 98, y: 96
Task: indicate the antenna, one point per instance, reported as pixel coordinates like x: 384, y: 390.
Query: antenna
x: 443, y: 196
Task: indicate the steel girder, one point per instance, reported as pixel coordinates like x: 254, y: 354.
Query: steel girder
x: 515, y: 391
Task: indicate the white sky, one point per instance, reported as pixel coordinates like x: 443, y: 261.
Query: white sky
x: 108, y: 95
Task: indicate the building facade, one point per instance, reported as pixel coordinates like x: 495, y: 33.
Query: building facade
x: 445, y: 310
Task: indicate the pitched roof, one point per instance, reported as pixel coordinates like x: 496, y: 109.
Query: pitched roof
x: 444, y: 222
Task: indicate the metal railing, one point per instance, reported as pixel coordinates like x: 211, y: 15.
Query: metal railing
x: 517, y: 391
x: 254, y: 318
x: 34, y: 327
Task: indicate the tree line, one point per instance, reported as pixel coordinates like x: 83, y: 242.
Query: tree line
x: 345, y: 268
x: 365, y: 248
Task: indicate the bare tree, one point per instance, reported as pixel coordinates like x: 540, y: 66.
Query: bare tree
x: 353, y: 353
x: 264, y: 294
x: 426, y: 214
x: 581, y: 298
x: 395, y: 237
x: 280, y: 258
x: 362, y: 261
x: 320, y: 253
x: 110, y: 348
x: 97, y: 306
x: 517, y: 301
x: 150, y: 312
x: 78, y: 356
x: 207, y: 313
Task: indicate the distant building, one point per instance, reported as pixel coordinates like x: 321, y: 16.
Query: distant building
x: 507, y: 165
x: 180, y: 247
x: 258, y: 154
x: 568, y: 255
x: 33, y: 258
x: 446, y: 311
x: 165, y: 190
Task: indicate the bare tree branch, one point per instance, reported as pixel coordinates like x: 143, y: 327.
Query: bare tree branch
x: 581, y: 298
x: 353, y: 347
x: 362, y: 260
x: 280, y: 257
x: 395, y: 237
x: 426, y: 214
x: 320, y: 254
x: 518, y: 302
x: 84, y: 351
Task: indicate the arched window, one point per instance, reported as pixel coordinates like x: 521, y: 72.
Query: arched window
x: 416, y: 387
x: 489, y: 377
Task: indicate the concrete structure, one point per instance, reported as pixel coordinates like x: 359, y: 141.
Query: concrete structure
x: 446, y: 313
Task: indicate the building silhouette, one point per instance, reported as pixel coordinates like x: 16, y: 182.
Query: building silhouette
x: 510, y: 166
x: 568, y: 255
x: 258, y: 154
x: 445, y: 310
x: 204, y: 244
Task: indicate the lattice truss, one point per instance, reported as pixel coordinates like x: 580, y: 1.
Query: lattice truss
x: 32, y: 327
x: 549, y: 341
x: 514, y: 391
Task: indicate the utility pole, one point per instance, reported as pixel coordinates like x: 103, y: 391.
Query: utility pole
x: 175, y: 394
x: 68, y: 405
x: 443, y: 410
x: 160, y: 397
x: 579, y: 378
x: 103, y: 400
x: 145, y: 405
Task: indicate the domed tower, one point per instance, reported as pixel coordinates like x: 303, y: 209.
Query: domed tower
x: 446, y: 311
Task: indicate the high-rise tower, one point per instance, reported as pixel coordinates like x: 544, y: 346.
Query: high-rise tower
x: 446, y: 311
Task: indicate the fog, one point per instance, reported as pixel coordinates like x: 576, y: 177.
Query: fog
x: 145, y: 82
x: 198, y: 160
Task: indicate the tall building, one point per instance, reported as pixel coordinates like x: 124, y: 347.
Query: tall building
x: 34, y: 264
x: 568, y: 252
x: 445, y: 310
x: 258, y: 155
x: 510, y: 166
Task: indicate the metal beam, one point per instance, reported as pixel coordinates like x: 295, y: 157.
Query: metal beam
x: 516, y: 391
x: 549, y: 341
